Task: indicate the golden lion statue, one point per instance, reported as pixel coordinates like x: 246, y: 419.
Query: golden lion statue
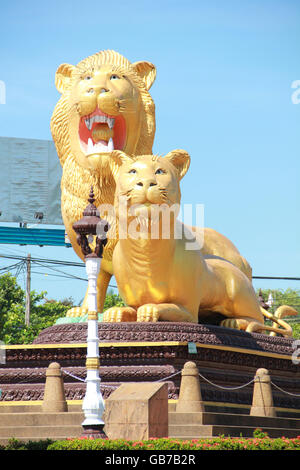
x: 105, y: 106
x: 157, y: 276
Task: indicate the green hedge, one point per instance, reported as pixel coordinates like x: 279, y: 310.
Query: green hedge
x: 260, y: 441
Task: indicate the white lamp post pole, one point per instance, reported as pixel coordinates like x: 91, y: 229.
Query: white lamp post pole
x: 86, y: 229
x: 93, y: 404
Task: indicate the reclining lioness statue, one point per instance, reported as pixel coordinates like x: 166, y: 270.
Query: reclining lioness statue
x: 157, y: 276
x: 105, y: 106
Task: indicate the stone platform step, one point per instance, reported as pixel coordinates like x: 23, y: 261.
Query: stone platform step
x: 35, y: 426
x: 44, y: 432
x: 207, y: 431
x: 8, y: 420
x: 200, y: 425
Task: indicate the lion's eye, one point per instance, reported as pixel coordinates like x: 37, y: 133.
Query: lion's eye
x: 114, y: 77
x: 88, y: 77
x: 132, y: 171
x: 159, y: 171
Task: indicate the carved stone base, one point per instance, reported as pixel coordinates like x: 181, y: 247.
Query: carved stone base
x: 94, y: 432
x: 166, y: 331
x: 139, y: 352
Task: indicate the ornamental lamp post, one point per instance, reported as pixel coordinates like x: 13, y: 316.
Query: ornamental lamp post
x: 270, y: 300
x: 91, y: 228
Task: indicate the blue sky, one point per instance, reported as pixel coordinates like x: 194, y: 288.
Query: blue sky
x: 223, y: 93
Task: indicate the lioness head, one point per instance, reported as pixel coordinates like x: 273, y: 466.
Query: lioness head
x: 105, y: 105
x: 148, y: 180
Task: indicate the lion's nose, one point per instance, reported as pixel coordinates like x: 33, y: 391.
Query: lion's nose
x: 146, y: 184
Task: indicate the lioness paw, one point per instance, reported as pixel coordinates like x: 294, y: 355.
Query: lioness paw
x: 148, y: 313
x: 235, y: 323
x: 119, y: 314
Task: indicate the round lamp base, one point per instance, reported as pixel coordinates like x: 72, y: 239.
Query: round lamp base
x: 94, y: 431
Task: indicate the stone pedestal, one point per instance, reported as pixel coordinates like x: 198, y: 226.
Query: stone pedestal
x: 137, y: 411
x: 148, y: 352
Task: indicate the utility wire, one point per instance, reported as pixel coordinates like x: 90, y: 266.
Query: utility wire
x: 44, y: 262
x: 59, y: 271
x: 81, y: 265
x: 275, y: 277
x: 58, y: 275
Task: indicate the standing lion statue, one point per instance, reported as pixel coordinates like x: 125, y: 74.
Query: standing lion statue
x: 106, y: 106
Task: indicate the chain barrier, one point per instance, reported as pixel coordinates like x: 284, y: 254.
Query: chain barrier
x: 179, y: 372
x: 72, y: 375
x: 229, y: 388
x: 79, y: 378
x: 226, y: 388
x: 169, y: 377
x: 215, y: 385
x: 284, y: 391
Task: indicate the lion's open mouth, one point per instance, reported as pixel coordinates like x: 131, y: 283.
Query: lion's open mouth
x: 99, y: 132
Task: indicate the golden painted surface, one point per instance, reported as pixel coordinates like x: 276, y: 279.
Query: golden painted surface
x: 104, y: 87
x: 158, y: 277
x: 105, y: 102
x: 92, y: 363
x: 92, y: 315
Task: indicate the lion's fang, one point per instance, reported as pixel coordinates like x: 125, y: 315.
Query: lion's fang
x: 98, y: 118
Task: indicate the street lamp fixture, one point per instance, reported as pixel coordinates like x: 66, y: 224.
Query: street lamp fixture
x: 91, y: 237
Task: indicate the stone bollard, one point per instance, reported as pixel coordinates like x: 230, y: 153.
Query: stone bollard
x: 54, y: 394
x: 262, y: 403
x: 190, y: 398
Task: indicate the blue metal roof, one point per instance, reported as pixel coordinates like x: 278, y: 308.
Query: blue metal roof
x: 33, y: 236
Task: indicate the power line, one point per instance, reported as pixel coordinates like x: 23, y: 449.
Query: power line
x: 12, y: 266
x: 275, y: 277
x: 59, y: 271
x: 59, y: 275
x: 82, y: 265
x: 45, y: 260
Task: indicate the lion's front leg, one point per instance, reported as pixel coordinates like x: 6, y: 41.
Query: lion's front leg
x: 119, y: 314
x: 165, y: 312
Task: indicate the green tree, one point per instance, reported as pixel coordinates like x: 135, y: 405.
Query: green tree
x: 43, y: 312
x: 10, y: 295
x: 289, y: 297
x: 112, y: 300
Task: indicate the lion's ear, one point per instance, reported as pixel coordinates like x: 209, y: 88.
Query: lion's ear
x: 181, y: 160
x: 116, y: 160
x: 63, y: 76
x: 146, y: 71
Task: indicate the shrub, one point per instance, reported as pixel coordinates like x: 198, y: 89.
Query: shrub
x: 219, y: 443
x: 260, y: 441
x: 15, y: 444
